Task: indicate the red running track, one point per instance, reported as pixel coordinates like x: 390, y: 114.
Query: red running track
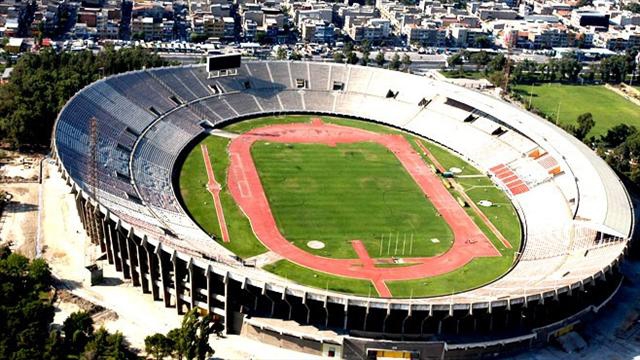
x: 214, y: 188
x: 246, y: 189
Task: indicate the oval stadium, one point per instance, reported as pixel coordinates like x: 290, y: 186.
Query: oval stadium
x: 344, y: 210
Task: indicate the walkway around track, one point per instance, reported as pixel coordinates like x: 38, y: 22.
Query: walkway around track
x: 469, y: 241
x: 214, y: 188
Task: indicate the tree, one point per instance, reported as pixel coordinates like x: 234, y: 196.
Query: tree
x: 585, y: 124
x: 480, y: 58
x: 394, y: 64
x: 406, y: 61
x: 455, y: 59
x: 617, y: 135
x: 78, y: 331
x: 614, y: 68
x: 159, y: 345
x: 338, y: 57
x: 524, y: 72
x: 380, y: 60
x: 364, y: 60
x: 497, y: 63
x: 569, y: 67
x: 190, y: 340
x: 27, y: 313
x: 482, y: 42
x: 106, y: 345
x: 281, y: 53
x: 25, y: 307
x: 41, y: 84
x: 352, y: 58
x: 365, y: 46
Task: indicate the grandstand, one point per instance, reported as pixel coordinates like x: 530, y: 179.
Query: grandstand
x: 576, y: 214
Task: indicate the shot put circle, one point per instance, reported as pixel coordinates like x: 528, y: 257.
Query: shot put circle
x: 315, y: 244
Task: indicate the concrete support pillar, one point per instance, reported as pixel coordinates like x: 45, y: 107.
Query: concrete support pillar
x: 124, y: 255
x: 80, y: 208
x: 164, y: 276
x: 109, y: 241
x: 143, y: 265
x: 366, y: 316
x: 265, y: 294
x: 227, y: 309
x: 507, y: 316
x: 209, y: 277
x: 404, y: 321
x: 117, y: 253
x: 304, y: 302
x: 177, y: 281
x: 384, y: 322
x: 133, y: 259
x: 192, y: 284
x: 286, y: 301
x: 154, y: 274
x: 430, y: 314
x: 89, y: 224
x: 102, y: 237
x: 326, y: 311
x: 440, y: 324
x: 346, y: 315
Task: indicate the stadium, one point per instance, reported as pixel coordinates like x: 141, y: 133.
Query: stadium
x: 345, y: 210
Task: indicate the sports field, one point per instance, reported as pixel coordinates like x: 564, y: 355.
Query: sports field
x: 608, y: 108
x: 351, y: 191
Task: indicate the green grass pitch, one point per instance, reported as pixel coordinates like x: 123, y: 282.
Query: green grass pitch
x: 375, y: 159
x: 608, y: 108
x: 348, y: 192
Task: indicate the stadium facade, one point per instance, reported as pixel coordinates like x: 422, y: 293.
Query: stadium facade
x: 118, y: 143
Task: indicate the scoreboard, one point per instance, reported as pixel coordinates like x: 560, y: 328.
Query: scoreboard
x: 217, y: 63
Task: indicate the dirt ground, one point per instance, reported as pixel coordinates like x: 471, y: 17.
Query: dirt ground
x: 19, y: 167
x: 67, y: 249
x: 18, y: 222
x: 19, y: 175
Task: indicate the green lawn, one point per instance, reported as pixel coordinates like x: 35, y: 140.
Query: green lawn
x: 449, y: 160
x: 308, y: 277
x: 502, y: 214
x: 478, y: 272
x: 608, y: 108
x: 199, y: 203
x: 347, y: 192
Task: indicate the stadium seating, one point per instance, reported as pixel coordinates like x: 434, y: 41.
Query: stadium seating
x: 145, y: 119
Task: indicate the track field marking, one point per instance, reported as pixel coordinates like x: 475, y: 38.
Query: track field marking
x: 214, y: 188
x: 241, y: 179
